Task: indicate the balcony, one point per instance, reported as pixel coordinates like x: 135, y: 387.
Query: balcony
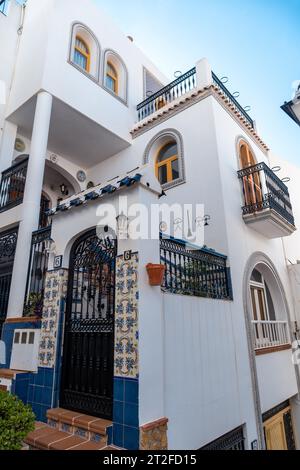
x: 270, y: 335
x: 267, y: 207
x: 13, y: 185
x: 182, y: 86
x: 179, y: 87
x: 194, y: 272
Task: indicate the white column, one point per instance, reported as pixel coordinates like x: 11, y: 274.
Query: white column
x: 31, y: 203
x: 151, y: 328
x: 204, y: 73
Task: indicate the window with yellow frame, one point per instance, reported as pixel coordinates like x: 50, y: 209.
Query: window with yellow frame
x: 167, y: 163
x: 111, y: 79
x: 82, y: 56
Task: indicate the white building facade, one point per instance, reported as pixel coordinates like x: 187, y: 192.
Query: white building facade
x: 207, y: 358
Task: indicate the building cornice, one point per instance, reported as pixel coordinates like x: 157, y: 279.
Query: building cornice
x: 191, y: 98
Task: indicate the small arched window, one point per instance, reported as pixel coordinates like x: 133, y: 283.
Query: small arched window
x: 111, y: 79
x: 82, y: 56
x: 262, y: 303
x: 165, y: 152
x: 115, y: 75
x: 246, y: 156
x: 167, y: 165
x: 85, y: 51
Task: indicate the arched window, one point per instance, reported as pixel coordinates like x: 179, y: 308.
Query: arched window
x: 85, y: 51
x: 82, y: 56
x: 165, y: 152
x: 262, y: 303
x: 246, y: 156
x: 111, y: 80
x: 167, y: 167
x: 251, y: 183
x: 115, y: 75
x: 270, y: 326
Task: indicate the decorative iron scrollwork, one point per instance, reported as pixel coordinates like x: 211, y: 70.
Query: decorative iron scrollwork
x: 8, y: 243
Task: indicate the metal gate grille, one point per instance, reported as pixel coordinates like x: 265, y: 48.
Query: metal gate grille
x: 87, y: 374
x: 234, y: 440
x: 8, y: 243
x: 37, y: 269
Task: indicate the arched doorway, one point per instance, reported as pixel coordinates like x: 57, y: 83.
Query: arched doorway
x: 268, y: 331
x: 88, y: 352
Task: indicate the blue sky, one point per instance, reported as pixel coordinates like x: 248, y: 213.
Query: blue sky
x: 255, y: 43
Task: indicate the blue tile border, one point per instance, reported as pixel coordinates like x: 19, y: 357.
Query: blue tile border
x: 125, y: 432
x: 131, y: 438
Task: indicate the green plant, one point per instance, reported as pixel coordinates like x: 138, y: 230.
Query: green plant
x: 34, y: 305
x: 16, y: 421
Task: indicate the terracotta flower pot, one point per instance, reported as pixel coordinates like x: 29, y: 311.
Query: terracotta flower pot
x: 155, y: 273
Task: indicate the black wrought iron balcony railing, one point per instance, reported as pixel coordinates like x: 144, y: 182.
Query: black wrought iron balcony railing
x: 176, y: 89
x: 3, y: 6
x: 217, y: 82
x: 199, y: 273
x: 13, y: 185
x: 263, y: 189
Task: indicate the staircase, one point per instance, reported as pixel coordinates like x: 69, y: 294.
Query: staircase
x: 68, y: 430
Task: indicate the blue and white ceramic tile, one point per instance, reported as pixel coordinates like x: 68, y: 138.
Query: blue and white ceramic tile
x: 126, y: 317
x: 55, y: 290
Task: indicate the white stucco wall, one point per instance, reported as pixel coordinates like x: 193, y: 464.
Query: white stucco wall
x: 207, y: 379
x: 201, y: 167
x: 276, y: 376
x: 9, y: 40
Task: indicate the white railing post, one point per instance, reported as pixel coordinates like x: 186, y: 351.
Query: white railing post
x: 203, y: 73
x: 263, y: 183
x: 269, y: 334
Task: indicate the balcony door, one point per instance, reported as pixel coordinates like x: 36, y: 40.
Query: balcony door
x: 278, y: 428
x: 275, y: 434
x: 251, y: 183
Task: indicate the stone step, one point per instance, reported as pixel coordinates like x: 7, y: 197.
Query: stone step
x: 10, y: 373
x: 45, y: 437
x: 85, y: 426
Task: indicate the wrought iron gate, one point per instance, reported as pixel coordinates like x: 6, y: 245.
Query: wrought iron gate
x: 87, y: 371
x: 8, y: 243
